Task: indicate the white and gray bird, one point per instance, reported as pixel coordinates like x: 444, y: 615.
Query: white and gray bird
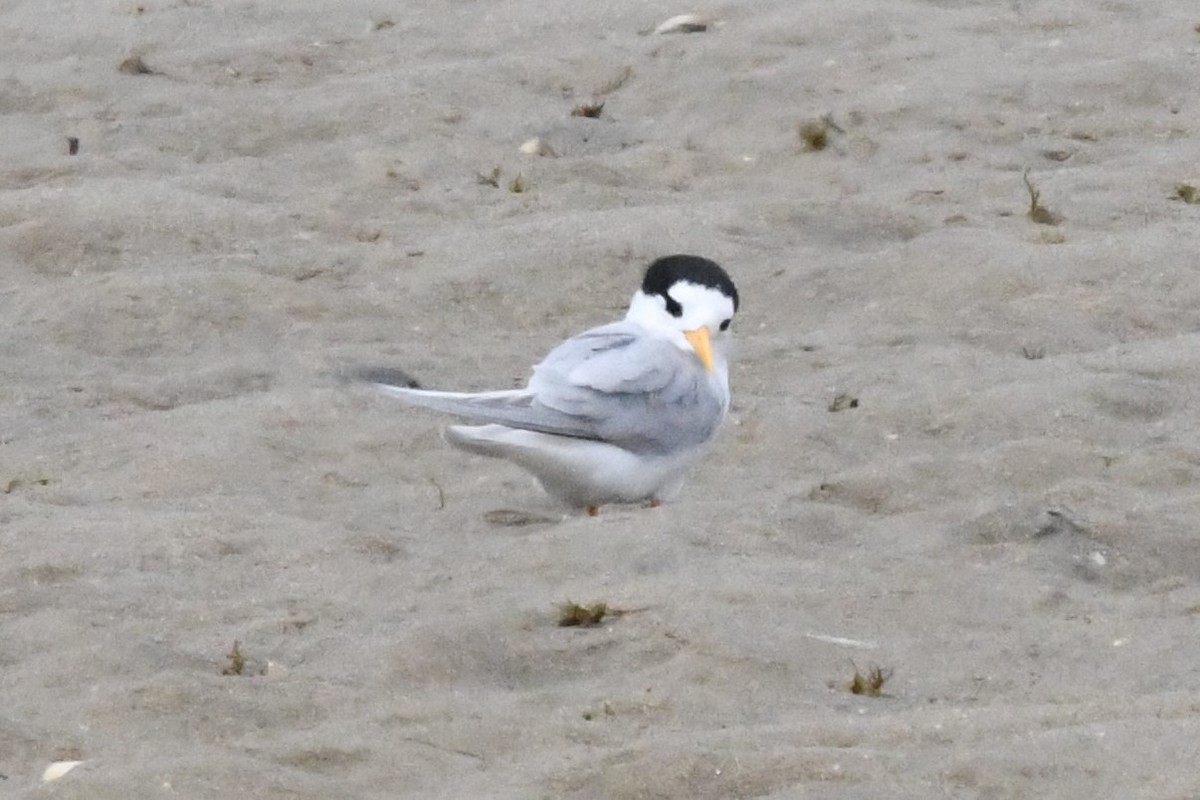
x: 618, y: 413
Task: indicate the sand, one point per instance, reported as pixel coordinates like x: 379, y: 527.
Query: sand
x: 1001, y: 514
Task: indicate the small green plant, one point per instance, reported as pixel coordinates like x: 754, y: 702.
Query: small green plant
x: 842, y: 402
x: 574, y: 615
x: 814, y: 134
x: 870, y: 684
x: 134, y: 65
x: 1038, y: 212
x: 489, y: 179
x: 17, y: 483
x: 591, y: 110
x: 237, y: 662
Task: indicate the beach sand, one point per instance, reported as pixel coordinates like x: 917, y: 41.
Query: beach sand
x: 962, y: 449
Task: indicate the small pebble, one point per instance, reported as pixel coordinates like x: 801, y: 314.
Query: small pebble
x: 134, y: 65
x: 537, y: 147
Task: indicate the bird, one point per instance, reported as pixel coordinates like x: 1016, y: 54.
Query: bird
x: 618, y: 413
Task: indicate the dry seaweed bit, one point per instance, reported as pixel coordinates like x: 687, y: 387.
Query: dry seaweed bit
x: 1060, y: 523
x: 606, y: 708
x: 1038, y: 212
x: 1057, y: 155
x: 489, y: 179
x: 1046, y: 236
x: 514, y: 518
x: 441, y: 494
x: 814, y: 134
x: 843, y: 402
x: 72, y: 145
x: 590, y: 110
x: 616, y: 82
x: 383, y: 24
x: 1033, y: 353
x: 517, y: 185
x: 1187, y: 193
x: 17, y: 483
x: 237, y: 662
x: 571, y: 615
x: 134, y: 65
x: 870, y: 684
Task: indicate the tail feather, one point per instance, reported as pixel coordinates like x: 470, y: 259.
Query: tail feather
x: 512, y: 407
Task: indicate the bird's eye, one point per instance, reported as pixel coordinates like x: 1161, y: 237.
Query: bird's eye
x: 725, y: 324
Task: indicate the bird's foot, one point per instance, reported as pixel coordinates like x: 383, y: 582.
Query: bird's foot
x: 593, y: 511
x: 655, y: 502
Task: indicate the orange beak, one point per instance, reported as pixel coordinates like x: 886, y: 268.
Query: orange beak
x: 698, y: 338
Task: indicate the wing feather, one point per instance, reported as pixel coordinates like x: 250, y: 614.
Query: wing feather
x: 512, y: 408
x: 641, y: 392
x: 612, y: 383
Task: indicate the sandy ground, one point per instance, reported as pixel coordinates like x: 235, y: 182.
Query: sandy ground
x: 1006, y: 521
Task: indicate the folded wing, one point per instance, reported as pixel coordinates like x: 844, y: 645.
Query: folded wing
x: 612, y: 383
x: 516, y: 408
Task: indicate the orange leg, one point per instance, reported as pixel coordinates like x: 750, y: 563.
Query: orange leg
x: 593, y: 511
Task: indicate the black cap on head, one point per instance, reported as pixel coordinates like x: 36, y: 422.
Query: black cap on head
x: 670, y: 270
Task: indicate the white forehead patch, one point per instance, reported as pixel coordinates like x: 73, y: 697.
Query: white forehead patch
x: 702, y: 305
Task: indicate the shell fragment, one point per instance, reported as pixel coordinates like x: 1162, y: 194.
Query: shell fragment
x: 537, y: 147
x: 58, y: 769
x: 683, y: 23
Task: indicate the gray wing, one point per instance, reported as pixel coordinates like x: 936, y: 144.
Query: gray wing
x: 517, y: 409
x: 610, y: 383
x: 637, y: 391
